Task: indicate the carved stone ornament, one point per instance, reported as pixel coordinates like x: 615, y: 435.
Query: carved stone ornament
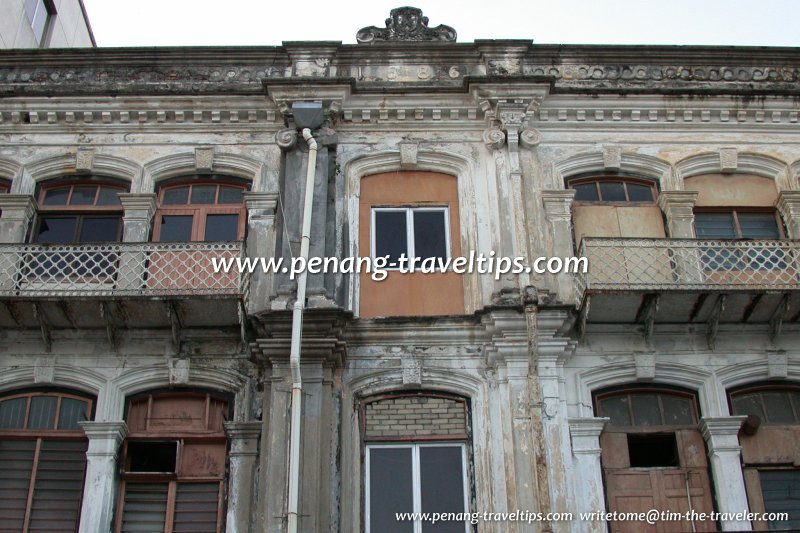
x: 530, y: 137
x: 494, y: 138
x: 286, y: 138
x: 406, y: 24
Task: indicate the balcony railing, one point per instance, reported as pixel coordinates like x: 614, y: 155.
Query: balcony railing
x: 119, y: 269
x: 617, y: 264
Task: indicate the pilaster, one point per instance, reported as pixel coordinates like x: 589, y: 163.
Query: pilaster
x: 558, y: 213
x: 789, y: 207
x: 261, y: 238
x: 17, y: 212
x: 99, y: 489
x: 243, y: 456
x: 722, y: 438
x: 678, y: 208
x: 585, y: 436
x: 138, y: 217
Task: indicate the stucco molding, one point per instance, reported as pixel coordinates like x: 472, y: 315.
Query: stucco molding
x: 746, y: 163
x: 67, y: 165
x: 72, y: 377
x: 642, y: 165
x: 9, y: 169
x: 184, y: 164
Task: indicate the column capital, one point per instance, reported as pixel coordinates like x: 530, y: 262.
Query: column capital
x: 585, y: 434
x: 789, y: 200
x: 722, y: 433
x: 261, y: 203
x: 17, y: 206
x: 105, y: 430
x: 139, y: 205
x: 677, y: 199
x: 243, y: 430
x: 558, y: 201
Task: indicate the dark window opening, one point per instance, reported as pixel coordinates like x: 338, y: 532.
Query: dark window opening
x: 613, y: 189
x: 203, y: 211
x: 152, y: 456
x: 413, y: 232
x: 653, y: 450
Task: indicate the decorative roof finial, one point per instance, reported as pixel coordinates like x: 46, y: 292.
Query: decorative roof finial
x: 406, y: 24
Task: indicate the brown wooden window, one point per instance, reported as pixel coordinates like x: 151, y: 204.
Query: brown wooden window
x: 82, y: 212
x: 613, y: 189
x: 773, y: 405
x: 173, y: 464
x: 200, y: 211
x: 42, y: 460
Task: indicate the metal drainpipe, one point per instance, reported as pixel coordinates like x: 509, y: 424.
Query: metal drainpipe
x: 297, y: 334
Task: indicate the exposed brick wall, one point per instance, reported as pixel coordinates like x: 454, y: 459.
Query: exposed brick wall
x: 415, y: 416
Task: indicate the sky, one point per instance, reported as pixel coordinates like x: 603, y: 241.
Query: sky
x: 270, y: 22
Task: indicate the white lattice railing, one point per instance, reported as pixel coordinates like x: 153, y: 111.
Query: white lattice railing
x: 684, y: 264
x: 119, y: 269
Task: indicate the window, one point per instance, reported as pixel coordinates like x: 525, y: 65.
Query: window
x: 173, y: 464
x: 773, y: 405
x: 79, y: 213
x: 737, y: 224
x: 740, y: 224
x: 42, y: 460
x: 613, y: 189
x: 202, y: 211
x: 415, y: 461
x: 411, y: 232
x: 653, y: 455
x: 38, y: 13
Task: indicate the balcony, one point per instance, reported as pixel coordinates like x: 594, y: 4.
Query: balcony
x: 128, y: 284
x: 679, y: 280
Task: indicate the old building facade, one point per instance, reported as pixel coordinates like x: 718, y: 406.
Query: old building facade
x: 163, y: 388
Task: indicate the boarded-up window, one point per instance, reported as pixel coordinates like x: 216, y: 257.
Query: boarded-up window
x: 653, y: 457
x: 42, y: 461
x: 416, y: 461
x: 173, y: 464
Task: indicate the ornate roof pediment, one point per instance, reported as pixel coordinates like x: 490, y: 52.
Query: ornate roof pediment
x: 406, y: 24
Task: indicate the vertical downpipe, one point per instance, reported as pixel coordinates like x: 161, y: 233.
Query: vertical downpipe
x: 297, y: 334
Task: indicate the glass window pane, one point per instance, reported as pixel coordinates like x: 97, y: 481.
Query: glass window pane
x: 678, y: 411
x: 203, y: 194
x: 222, y: 228
x: 779, y: 410
x: 390, y: 235
x: 176, y: 196
x: 42, y: 414
x: 71, y: 412
x: 616, y: 409
x: 758, y: 226
x: 639, y: 193
x: 99, y: 229
x: 586, y: 192
x: 645, y: 410
x: 108, y: 196
x: 714, y: 226
x: 230, y: 195
x: 442, y: 485
x: 56, y: 196
x: 12, y: 413
x: 430, y: 234
x: 83, y: 195
x: 748, y: 404
x: 390, y: 489
x: 57, y: 229
x: 611, y: 191
x: 176, y: 228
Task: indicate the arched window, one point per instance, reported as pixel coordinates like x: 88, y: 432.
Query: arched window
x: 770, y: 447
x: 613, y: 205
x: 653, y: 454
x: 206, y: 209
x: 82, y: 211
x: 613, y: 189
x: 42, y: 460
x: 173, y: 463
x: 416, y: 459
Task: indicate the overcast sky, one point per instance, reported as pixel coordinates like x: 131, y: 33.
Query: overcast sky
x: 270, y: 22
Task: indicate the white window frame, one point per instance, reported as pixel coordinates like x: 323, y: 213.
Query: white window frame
x: 409, y: 211
x: 415, y: 478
